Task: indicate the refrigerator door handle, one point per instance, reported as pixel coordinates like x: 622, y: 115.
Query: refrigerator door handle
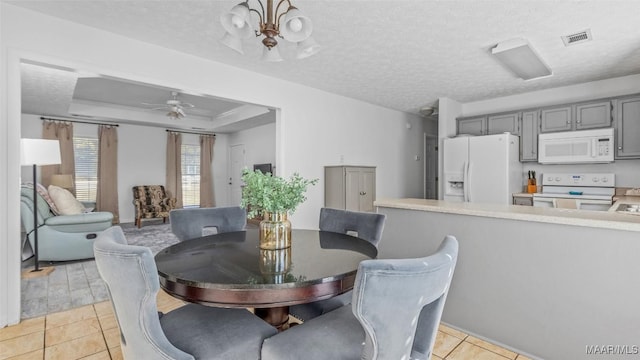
x: 465, y: 182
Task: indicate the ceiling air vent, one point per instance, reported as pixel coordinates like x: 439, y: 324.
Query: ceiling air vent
x: 576, y: 38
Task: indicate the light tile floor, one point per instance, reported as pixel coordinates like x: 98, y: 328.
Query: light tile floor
x: 91, y: 333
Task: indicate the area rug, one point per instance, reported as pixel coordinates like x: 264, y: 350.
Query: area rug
x: 155, y: 237
x: 77, y: 283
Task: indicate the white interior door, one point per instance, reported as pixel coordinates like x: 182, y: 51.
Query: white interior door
x: 236, y: 165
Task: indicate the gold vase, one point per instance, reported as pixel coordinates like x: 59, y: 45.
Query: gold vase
x: 275, y: 231
x: 274, y: 265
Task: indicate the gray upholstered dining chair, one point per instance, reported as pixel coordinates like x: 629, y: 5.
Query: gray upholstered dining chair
x: 365, y: 225
x: 192, y: 223
x: 189, y: 332
x: 395, y: 313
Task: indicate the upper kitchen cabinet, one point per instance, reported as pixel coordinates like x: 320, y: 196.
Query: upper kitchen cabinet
x: 582, y: 116
x: 501, y: 123
x: 529, y: 136
x: 556, y: 119
x: 627, y: 125
x: 472, y: 125
x: 593, y: 115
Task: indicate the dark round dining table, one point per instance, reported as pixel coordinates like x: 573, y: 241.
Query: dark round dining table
x: 230, y: 270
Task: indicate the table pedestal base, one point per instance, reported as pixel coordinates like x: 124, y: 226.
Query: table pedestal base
x: 277, y: 317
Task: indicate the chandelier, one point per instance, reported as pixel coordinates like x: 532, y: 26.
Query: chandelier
x: 294, y: 27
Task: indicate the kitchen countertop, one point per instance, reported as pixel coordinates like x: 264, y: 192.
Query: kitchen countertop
x: 597, y: 219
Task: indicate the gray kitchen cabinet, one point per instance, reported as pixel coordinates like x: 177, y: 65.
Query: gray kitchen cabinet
x: 627, y: 125
x: 350, y: 187
x: 472, y: 126
x: 556, y: 119
x: 529, y: 136
x: 593, y: 115
x: 500, y: 123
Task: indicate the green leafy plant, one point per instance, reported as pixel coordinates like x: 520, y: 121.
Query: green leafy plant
x: 265, y: 192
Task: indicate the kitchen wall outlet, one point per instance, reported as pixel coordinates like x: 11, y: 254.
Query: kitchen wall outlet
x: 341, y: 159
x: 416, y: 158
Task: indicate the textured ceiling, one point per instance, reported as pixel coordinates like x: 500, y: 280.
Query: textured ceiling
x: 398, y: 54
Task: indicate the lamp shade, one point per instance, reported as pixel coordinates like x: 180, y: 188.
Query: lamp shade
x: 236, y: 21
x: 64, y: 181
x: 297, y: 27
x: 39, y: 152
x: 519, y: 57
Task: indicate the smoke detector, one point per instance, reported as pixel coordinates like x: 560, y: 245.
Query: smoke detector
x: 579, y: 37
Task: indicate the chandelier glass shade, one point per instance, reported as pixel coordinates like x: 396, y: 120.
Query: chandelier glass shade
x: 285, y: 21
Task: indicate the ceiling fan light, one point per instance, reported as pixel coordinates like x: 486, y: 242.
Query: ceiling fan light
x: 307, y: 48
x: 297, y: 27
x: 236, y: 21
x: 232, y: 42
x: 271, y: 54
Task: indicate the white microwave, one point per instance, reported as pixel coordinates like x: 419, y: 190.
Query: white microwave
x: 576, y: 147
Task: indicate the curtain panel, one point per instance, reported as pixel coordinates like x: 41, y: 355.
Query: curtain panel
x: 107, y: 189
x: 207, y: 198
x: 63, y: 132
x: 174, y: 167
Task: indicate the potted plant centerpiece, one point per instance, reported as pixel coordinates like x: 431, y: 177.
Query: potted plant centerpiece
x: 274, y: 198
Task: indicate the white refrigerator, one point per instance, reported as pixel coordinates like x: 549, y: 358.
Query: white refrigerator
x: 482, y: 169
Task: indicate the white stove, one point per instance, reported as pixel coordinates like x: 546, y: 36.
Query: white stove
x: 591, y: 191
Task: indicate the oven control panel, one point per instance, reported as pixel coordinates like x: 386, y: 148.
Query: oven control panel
x: 585, y: 179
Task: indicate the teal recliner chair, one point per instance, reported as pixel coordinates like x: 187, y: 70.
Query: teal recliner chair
x: 62, y: 237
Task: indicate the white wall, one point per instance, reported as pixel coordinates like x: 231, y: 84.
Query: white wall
x: 449, y: 110
x: 260, y: 147
x: 259, y: 144
x: 314, y: 128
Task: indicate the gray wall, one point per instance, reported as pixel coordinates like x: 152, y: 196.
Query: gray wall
x: 546, y: 290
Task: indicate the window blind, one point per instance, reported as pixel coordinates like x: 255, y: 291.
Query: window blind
x: 86, y: 158
x: 190, y: 175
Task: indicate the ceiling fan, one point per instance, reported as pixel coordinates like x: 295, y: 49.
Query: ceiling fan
x: 174, y: 106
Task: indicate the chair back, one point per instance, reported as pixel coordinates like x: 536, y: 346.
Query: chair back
x: 367, y: 226
x: 149, y: 195
x: 399, y: 302
x: 192, y: 223
x: 131, y: 277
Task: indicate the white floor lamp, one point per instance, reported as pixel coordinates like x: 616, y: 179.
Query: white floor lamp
x: 36, y: 152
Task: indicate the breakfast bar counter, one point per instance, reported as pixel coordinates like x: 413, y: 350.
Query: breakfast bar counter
x: 544, y: 282
x: 598, y: 219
